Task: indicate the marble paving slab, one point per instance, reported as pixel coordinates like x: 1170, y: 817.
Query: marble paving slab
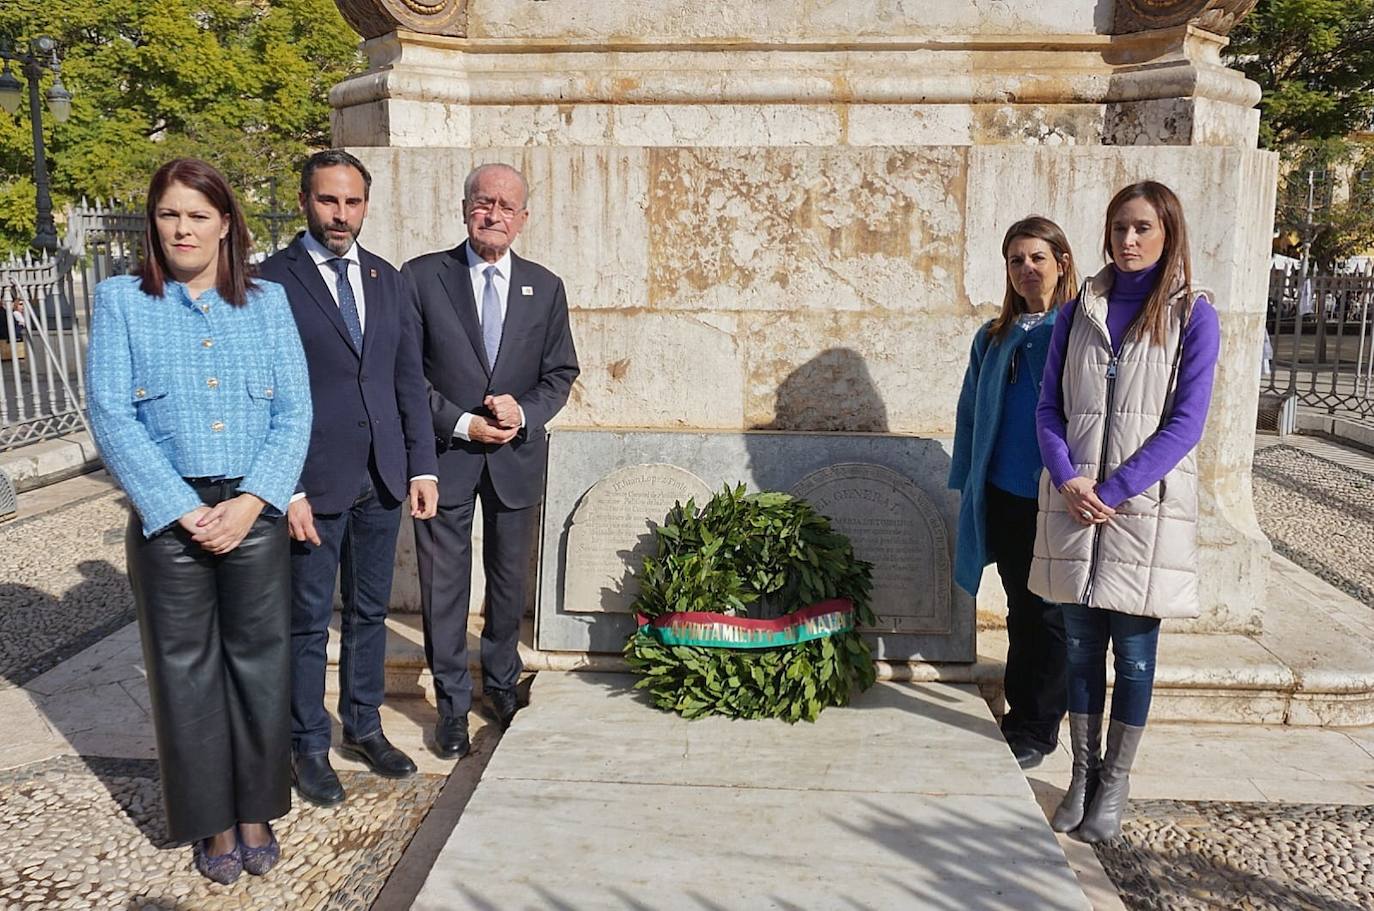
x: 596, y: 800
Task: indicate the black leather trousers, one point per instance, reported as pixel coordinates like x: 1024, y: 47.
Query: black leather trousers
x: 216, y: 643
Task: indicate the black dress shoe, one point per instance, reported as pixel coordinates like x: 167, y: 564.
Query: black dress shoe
x: 381, y: 757
x: 451, y: 737
x: 505, y: 704
x: 1027, y: 756
x: 315, y: 780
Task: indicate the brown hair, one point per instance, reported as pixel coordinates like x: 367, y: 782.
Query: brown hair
x: 1013, y: 304
x: 1175, y: 268
x: 233, y: 280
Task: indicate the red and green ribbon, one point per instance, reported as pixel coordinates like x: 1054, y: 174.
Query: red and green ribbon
x: 712, y: 630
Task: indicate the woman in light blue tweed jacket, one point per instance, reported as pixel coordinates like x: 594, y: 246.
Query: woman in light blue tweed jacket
x: 200, y: 404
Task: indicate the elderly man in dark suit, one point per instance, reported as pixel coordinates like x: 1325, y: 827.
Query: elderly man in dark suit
x: 371, y: 449
x: 499, y: 358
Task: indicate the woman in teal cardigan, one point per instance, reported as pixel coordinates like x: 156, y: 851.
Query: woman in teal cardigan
x: 996, y: 467
x: 200, y: 404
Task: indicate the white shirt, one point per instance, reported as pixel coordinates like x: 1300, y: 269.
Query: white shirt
x: 321, y: 255
x: 477, y: 267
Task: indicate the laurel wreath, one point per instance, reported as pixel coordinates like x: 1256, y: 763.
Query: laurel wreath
x: 767, y: 552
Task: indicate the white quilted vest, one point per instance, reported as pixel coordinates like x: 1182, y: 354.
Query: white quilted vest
x: 1144, y: 560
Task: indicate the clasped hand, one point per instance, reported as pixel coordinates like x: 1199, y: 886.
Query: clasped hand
x: 503, y: 424
x: 221, y: 528
x: 1086, y: 508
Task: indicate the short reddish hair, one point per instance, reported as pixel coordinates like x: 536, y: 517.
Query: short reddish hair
x: 233, y: 279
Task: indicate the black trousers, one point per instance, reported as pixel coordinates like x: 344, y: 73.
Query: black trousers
x: 1035, y: 681
x: 216, y: 643
x: 443, y: 551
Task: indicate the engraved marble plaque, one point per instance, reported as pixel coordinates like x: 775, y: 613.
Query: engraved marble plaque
x: 895, y: 526
x: 612, y: 532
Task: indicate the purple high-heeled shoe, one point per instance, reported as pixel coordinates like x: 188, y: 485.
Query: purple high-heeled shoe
x: 258, y: 861
x: 220, y: 868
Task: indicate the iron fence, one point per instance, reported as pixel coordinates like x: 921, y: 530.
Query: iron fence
x: 1321, y: 338
x: 42, y: 394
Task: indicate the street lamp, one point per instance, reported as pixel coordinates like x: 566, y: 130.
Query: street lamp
x: 41, y: 55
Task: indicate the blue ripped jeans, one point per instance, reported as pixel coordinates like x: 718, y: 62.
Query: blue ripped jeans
x: 1135, y: 641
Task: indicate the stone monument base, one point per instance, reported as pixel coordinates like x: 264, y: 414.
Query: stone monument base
x: 607, y: 489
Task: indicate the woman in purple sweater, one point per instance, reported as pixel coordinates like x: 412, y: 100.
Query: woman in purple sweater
x: 1127, y: 383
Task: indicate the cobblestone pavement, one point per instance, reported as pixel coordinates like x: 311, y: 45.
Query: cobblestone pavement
x: 63, y: 585
x: 1191, y: 856
x: 1186, y: 856
x: 1320, y: 515
x: 87, y: 833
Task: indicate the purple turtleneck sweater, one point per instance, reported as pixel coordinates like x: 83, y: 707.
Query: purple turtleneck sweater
x: 1180, y: 431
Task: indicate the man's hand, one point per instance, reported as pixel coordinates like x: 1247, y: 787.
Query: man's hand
x: 226, y: 525
x: 300, y: 521
x: 483, y: 430
x: 505, y: 409
x: 424, y: 498
x: 1080, y: 495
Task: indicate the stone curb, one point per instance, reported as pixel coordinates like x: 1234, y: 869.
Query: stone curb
x: 39, y: 464
x: 1356, y: 433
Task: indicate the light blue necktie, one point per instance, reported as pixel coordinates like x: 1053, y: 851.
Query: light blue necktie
x: 491, y: 317
x: 348, y: 304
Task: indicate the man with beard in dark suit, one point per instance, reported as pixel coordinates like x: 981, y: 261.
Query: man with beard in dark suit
x: 371, y: 450
x: 499, y: 357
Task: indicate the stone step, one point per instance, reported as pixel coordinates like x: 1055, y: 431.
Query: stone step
x: 1312, y: 665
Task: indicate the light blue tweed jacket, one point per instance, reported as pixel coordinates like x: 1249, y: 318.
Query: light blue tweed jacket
x: 181, y: 388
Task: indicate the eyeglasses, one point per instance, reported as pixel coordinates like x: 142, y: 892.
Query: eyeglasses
x: 485, y: 206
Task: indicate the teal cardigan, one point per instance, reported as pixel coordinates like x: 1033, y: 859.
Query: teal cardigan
x: 975, y: 433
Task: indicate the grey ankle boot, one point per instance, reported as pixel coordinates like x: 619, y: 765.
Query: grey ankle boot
x: 1103, y: 819
x: 1085, y: 739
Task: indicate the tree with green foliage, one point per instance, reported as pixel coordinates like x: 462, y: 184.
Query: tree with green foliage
x: 241, y: 83
x: 1314, y: 59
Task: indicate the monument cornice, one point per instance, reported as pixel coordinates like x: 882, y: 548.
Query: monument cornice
x: 1164, y: 63
x: 375, y: 18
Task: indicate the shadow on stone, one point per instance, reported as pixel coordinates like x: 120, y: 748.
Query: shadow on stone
x: 833, y: 391
x: 39, y: 631
x: 951, y: 848
x: 135, y: 786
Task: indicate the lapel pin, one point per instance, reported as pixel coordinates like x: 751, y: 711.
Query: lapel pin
x: 371, y: 273
x: 527, y: 290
